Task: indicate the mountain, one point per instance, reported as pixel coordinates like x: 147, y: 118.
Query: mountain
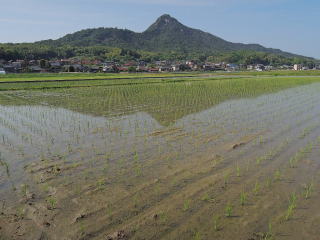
x: 166, y: 34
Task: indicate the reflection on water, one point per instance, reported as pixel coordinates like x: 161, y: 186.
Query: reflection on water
x: 130, y: 131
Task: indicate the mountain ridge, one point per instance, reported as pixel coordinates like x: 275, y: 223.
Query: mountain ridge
x: 166, y: 34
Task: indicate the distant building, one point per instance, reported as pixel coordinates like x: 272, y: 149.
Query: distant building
x: 297, y: 67
x: 208, y: 67
x: 2, y: 71
x: 176, y: 68
x: 165, y: 69
x: 232, y: 67
x: 35, y: 69
x: 250, y: 67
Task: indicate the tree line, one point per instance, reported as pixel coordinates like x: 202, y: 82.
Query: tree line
x: 33, y: 51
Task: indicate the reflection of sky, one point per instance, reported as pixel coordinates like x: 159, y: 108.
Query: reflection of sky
x: 30, y: 132
x: 36, y: 129
x: 248, y: 21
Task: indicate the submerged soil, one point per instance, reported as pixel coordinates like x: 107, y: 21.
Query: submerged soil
x: 245, y: 168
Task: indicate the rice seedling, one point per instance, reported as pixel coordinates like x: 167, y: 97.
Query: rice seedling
x: 291, y: 207
x: 293, y: 161
x: 52, y: 203
x: 243, y: 198
x: 268, y: 182
x: 308, y: 190
x: 277, y: 175
x: 186, y: 205
x: 163, y: 217
x: 205, y: 197
x: 4, y: 164
x: 24, y: 190
x: 228, y: 210
x: 238, y: 171
x: 226, y: 179
x: 256, y: 188
x: 269, y: 235
x: 197, y: 236
x: 21, y: 212
x: 216, y: 223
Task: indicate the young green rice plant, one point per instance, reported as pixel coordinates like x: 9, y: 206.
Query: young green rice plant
x: 138, y: 170
x: 52, y: 203
x: 186, y: 205
x: 261, y: 140
x: 308, y: 190
x: 269, y: 235
x: 197, y: 236
x: 24, y: 190
x: 4, y: 164
x: 277, y: 175
x: 101, y: 183
x: 163, y: 217
x: 205, y: 197
x: 259, y: 160
x: 248, y: 166
x: 268, y: 182
x: 238, y: 171
x: 243, y: 198
x: 293, y: 161
x: 226, y: 179
x: 228, y: 210
x: 21, y: 212
x: 305, y: 132
x: 256, y: 188
x: 216, y: 223
x: 109, y: 210
x: 292, y: 206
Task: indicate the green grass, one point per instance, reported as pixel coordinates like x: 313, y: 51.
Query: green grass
x: 70, y: 76
x: 79, y: 76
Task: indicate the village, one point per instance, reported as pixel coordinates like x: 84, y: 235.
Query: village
x: 98, y: 66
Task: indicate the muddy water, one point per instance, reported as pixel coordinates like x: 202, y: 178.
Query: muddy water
x: 128, y: 164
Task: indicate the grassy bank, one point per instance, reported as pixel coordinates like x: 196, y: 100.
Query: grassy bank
x: 30, y: 77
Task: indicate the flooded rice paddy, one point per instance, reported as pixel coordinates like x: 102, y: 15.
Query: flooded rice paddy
x: 229, y: 159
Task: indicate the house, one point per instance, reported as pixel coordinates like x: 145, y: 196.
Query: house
x: 285, y: 67
x: 269, y: 68
x: 208, y: 67
x: 162, y: 63
x: 2, y: 71
x: 74, y: 68
x: 250, y: 67
x: 260, y: 67
x: 297, y: 67
x: 154, y: 69
x: 35, y: 69
x: 232, y: 67
x: 55, y: 66
x: 94, y: 69
x: 141, y: 68
x: 110, y: 69
x: 108, y: 63
x: 175, y: 68
x: 165, y: 69
x: 123, y: 69
x: 9, y: 68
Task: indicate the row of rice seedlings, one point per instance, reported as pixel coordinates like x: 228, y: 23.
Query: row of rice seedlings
x: 293, y: 161
x: 291, y: 207
x: 4, y: 164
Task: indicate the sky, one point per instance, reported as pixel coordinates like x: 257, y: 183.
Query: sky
x: 290, y: 25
